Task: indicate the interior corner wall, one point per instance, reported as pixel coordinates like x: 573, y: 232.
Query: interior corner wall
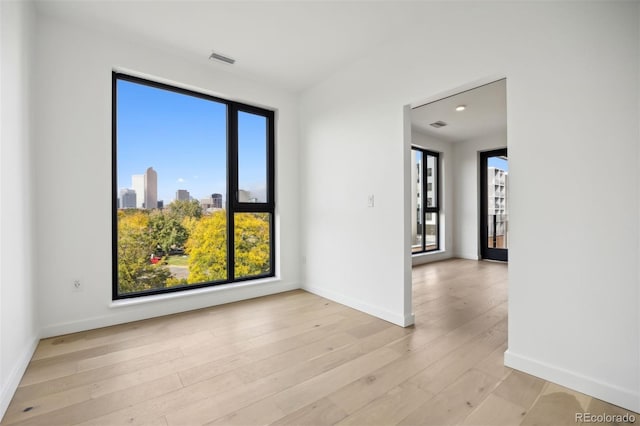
x: 638, y: 177
x: 467, y: 190
x: 73, y: 169
x: 18, y: 313
x: 573, y: 274
x: 447, y: 194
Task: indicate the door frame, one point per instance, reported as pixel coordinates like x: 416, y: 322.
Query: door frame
x: 487, y: 252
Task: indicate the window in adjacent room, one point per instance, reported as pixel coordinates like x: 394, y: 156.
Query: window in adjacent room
x: 193, y: 189
x: 425, y: 230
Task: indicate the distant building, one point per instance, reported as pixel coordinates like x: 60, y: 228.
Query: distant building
x: 146, y: 188
x: 137, y: 183
x: 498, y: 208
x: 245, y: 197
x: 160, y: 204
x: 211, y: 204
x: 150, y: 189
x: 182, y: 195
x: 217, y: 200
x: 128, y: 199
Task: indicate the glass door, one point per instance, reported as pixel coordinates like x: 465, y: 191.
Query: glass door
x: 494, y: 204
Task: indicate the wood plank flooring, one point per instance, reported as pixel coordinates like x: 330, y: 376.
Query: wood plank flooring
x: 299, y: 359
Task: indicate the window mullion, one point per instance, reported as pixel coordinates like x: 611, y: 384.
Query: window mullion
x: 423, y: 182
x: 232, y: 194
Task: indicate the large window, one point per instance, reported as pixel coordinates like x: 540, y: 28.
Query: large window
x: 193, y: 189
x: 425, y: 200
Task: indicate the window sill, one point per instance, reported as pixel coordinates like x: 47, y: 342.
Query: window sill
x: 428, y: 253
x: 432, y: 256
x: 190, y: 293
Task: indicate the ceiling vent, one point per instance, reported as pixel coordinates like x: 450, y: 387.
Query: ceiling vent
x: 438, y: 124
x: 223, y: 58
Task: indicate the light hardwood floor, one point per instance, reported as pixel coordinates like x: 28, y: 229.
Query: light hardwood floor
x: 299, y: 359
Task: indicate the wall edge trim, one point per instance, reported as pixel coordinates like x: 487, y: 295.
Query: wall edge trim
x: 16, y: 375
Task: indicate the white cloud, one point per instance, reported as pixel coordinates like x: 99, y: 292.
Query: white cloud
x: 180, y: 180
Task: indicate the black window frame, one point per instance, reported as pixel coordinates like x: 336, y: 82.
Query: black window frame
x: 435, y: 208
x: 486, y: 252
x: 233, y: 205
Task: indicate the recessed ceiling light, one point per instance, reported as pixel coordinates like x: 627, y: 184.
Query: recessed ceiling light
x: 222, y: 58
x: 461, y: 107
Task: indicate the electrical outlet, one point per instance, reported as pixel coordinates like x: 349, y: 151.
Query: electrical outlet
x: 77, y: 286
x: 370, y: 201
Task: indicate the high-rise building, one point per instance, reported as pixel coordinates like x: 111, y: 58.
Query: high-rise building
x: 150, y: 189
x: 128, y: 199
x: 146, y: 187
x: 217, y: 200
x: 182, y: 195
x: 137, y: 183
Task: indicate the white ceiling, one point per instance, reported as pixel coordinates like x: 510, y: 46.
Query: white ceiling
x: 292, y: 44
x: 485, y: 113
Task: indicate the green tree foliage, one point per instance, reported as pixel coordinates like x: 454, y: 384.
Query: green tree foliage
x: 141, y: 232
x: 167, y: 230
x: 184, y: 208
x: 136, y: 243
x: 207, y: 248
x: 251, y: 239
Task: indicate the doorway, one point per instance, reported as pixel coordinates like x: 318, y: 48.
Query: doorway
x: 456, y: 125
x: 494, y: 205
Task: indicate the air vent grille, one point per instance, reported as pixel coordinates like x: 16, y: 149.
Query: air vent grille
x: 438, y: 124
x: 222, y: 58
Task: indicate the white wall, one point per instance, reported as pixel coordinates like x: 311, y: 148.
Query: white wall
x: 354, y: 253
x: 73, y: 156
x: 571, y: 67
x: 466, y: 190
x: 447, y: 184
x: 18, y: 319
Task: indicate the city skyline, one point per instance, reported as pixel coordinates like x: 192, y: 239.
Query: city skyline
x: 130, y: 197
x: 180, y: 194
x: 184, y: 139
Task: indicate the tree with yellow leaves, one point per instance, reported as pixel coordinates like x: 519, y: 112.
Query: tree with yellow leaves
x: 252, y: 248
x: 207, y: 246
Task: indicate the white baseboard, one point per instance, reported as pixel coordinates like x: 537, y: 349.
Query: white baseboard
x: 395, y: 318
x: 469, y: 256
x: 11, y: 385
x: 625, y: 398
x: 136, y: 309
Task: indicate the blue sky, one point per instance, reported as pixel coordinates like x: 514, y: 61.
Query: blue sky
x: 498, y: 163
x: 184, y: 139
